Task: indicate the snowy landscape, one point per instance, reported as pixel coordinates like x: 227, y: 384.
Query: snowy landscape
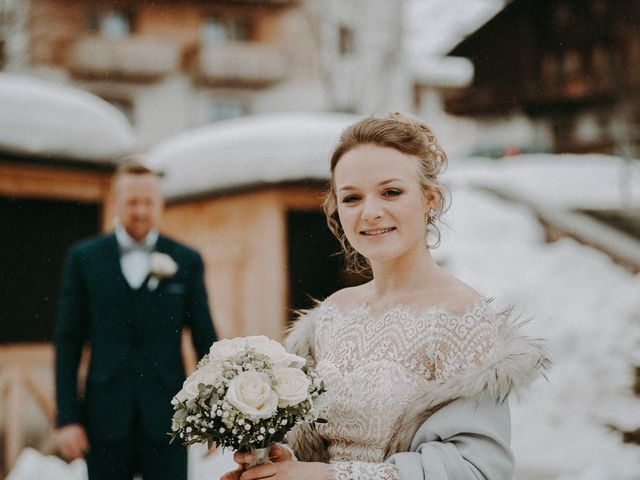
x: 585, y: 307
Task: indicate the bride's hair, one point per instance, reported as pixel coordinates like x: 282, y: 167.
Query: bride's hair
x: 406, y: 134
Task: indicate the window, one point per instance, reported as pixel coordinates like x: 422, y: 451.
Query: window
x: 572, y: 65
x: 562, y: 15
x: 346, y: 40
x: 600, y: 65
x: 218, y: 30
x: 599, y: 8
x: 225, y: 109
x: 111, y: 22
x: 549, y: 69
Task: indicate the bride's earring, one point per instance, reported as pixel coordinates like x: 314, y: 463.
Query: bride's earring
x: 432, y: 215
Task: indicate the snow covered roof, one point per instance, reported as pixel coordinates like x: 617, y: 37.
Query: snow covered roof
x: 258, y: 149
x: 449, y: 72
x: 437, y: 26
x: 43, y: 118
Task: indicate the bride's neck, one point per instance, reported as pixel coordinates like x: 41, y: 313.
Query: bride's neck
x: 403, y: 276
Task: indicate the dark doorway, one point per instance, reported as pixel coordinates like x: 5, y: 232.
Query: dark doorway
x: 34, y: 240
x: 315, y: 269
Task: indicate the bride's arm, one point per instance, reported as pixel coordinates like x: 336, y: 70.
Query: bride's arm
x: 466, y: 439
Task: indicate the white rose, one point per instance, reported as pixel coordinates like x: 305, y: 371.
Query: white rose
x: 225, y: 348
x: 265, y: 345
x: 162, y: 265
x: 251, y: 393
x: 207, y: 374
x: 279, y: 356
x: 292, y: 386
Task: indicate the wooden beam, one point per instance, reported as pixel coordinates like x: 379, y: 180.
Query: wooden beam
x: 37, y: 181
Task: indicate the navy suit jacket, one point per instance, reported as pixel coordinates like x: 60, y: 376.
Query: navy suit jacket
x: 134, y: 338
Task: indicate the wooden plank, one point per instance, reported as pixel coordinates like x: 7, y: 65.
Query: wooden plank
x: 15, y: 436
x: 37, y: 181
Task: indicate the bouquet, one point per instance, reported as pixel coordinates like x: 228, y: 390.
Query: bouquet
x: 246, y: 394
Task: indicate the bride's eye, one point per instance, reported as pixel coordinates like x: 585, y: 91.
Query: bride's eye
x: 392, y: 192
x: 350, y: 198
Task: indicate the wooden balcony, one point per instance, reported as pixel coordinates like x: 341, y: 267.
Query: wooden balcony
x: 132, y: 58
x: 479, y: 101
x: 241, y: 63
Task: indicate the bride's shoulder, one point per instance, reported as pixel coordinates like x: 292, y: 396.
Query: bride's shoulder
x: 463, y: 299
x: 348, y: 298
x: 453, y: 297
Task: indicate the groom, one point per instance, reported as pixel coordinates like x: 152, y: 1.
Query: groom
x: 128, y: 295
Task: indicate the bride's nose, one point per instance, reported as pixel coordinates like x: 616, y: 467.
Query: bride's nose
x: 371, y: 210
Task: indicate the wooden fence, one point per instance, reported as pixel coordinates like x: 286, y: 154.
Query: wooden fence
x: 27, y: 396
x: 26, y: 381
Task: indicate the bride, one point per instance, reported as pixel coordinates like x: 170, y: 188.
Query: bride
x: 417, y: 365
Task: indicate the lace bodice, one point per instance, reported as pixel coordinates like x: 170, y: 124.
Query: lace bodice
x: 374, y: 367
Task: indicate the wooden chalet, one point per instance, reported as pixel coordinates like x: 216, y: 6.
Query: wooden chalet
x: 573, y: 63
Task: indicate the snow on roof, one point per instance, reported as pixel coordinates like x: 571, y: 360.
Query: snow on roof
x: 444, y: 72
x: 268, y: 148
x: 437, y: 26
x: 39, y: 117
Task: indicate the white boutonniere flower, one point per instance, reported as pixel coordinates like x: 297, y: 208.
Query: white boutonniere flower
x: 161, y: 266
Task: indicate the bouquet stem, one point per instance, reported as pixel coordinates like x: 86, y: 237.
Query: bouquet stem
x: 260, y: 457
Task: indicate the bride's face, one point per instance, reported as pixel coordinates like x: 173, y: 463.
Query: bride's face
x: 381, y: 204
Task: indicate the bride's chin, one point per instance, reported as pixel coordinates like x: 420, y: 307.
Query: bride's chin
x: 377, y: 256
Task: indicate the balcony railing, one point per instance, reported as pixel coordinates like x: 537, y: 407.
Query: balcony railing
x: 250, y: 64
x: 135, y: 57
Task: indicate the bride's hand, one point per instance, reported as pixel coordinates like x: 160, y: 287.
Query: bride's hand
x: 286, y: 470
x: 276, y: 454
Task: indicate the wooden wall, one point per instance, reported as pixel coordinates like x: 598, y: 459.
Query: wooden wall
x: 242, y: 239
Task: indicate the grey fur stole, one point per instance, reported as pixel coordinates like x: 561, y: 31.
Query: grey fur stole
x: 518, y: 359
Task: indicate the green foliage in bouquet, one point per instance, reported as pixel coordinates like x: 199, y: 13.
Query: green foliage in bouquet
x: 247, y: 393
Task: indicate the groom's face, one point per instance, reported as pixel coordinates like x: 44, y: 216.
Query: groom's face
x: 138, y: 204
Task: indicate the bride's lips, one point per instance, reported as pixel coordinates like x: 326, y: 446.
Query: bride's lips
x: 374, y: 232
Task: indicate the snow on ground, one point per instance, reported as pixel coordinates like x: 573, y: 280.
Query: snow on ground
x: 568, y: 180
x: 31, y: 464
x: 588, y: 311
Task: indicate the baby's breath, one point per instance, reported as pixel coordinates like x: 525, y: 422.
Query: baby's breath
x: 210, y: 418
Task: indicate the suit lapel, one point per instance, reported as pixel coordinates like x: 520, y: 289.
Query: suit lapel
x: 164, y: 246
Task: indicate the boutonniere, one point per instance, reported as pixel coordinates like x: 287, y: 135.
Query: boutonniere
x: 161, y: 266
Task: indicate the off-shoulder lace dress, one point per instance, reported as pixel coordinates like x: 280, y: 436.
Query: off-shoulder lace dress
x: 374, y: 365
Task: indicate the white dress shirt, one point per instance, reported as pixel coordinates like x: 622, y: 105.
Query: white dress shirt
x: 135, y: 256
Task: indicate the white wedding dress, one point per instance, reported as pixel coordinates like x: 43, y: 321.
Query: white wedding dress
x: 376, y: 365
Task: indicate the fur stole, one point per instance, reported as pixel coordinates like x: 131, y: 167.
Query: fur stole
x: 517, y: 360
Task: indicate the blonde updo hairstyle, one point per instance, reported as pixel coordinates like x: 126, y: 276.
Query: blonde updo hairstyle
x: 407, y: 135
